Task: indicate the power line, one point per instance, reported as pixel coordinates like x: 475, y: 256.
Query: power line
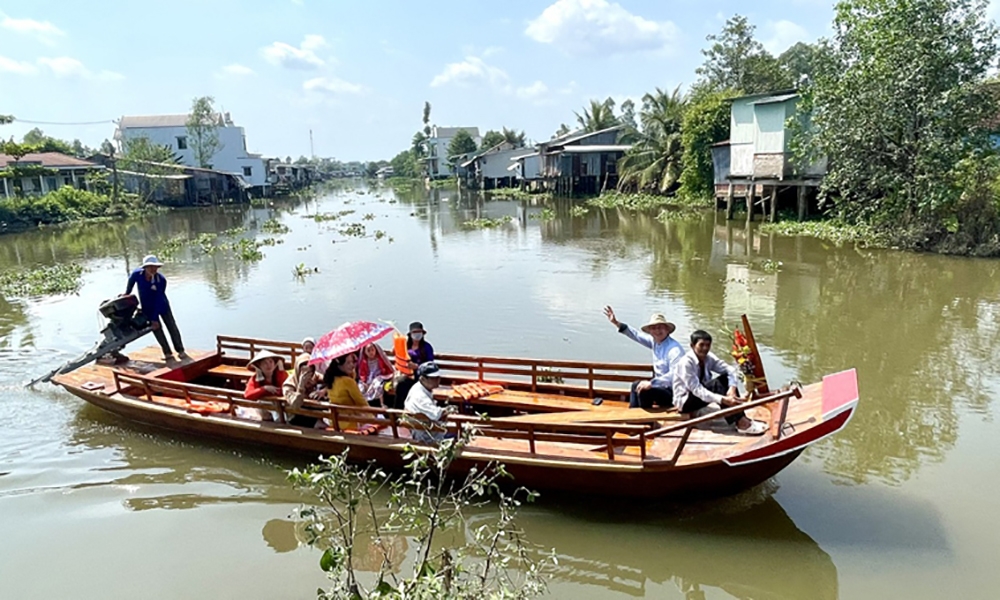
x: 17, y: 120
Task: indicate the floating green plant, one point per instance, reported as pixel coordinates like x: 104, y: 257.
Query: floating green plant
x: 63, y: 278
x: 484, y: 223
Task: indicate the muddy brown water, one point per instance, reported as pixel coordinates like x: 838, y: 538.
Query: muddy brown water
x: 901, y: 504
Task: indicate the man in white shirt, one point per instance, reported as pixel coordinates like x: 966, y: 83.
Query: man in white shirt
x: 699, y: 380
x: 655, y: 335
x: 420, y: 400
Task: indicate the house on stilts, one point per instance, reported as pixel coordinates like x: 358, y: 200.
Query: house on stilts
x: 756, y: 165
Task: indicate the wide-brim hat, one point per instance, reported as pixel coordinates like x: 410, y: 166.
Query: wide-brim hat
x: 262, y: 355
x: 417, y: 326
x: 151, y: 261
x: 659, y: 319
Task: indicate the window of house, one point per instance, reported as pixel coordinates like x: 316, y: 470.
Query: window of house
x: 248, y: 171
x: 182, y: 142
x: 67, y: 181
x: 50, y: 183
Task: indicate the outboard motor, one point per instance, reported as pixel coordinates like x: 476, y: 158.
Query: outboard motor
x: 124, y: 318
x: 125, y: 324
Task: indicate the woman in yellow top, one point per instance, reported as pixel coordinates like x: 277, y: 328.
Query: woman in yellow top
x: 342, y: 386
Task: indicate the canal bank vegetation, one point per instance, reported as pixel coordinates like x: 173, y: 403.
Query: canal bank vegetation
x: 63, y: 278
x: 366, y: 519
x: 911, y: 151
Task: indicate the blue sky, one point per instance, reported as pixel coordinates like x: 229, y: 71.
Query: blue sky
x: 357, y: 73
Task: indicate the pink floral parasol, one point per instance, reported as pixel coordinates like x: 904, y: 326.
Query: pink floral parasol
x: 349, y: 337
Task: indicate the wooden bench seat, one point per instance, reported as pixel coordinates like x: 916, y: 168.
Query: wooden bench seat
x: 232, y: 372
x: 533, y: 402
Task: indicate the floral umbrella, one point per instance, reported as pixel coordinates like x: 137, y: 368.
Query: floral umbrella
x: 349, y: 337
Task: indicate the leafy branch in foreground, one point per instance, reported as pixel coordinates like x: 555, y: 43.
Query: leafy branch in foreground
x: 355, y: 522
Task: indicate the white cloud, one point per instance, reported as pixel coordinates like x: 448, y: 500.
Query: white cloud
x: 42, y: 30
x: 472, y: 70
x: 65, y: 66
x: 598, y: 27
x: 237, y: 70
x: 332, y: 86
x: 302, y: 57
x: 9, y: 65
x: 533, y: 91
x: 784, y: 34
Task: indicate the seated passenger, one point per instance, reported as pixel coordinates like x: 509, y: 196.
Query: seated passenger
x: 307, y: 347
x: 342, y: 386
x: 420, y: 400
x: 418, y: 352
x: 417, y: 347
x: 296, y: 392
x: 374, y: 370
x: 268, y: 378
x: 655, y: 335
x: 700, y: 379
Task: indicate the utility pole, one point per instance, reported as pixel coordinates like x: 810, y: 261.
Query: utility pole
x: 312, y: 150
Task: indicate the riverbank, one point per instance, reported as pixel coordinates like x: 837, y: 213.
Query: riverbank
x: 67, y: 205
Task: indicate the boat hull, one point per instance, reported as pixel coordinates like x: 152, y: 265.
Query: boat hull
x: 658, y: 481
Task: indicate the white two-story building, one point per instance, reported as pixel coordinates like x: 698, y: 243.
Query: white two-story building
x: 171, y: 131
x: 437, y: 149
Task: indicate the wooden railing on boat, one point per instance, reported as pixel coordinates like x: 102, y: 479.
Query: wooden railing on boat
x: 575, y: 377
x: 584, y: 434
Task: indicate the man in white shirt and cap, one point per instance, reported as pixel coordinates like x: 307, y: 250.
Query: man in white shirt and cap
x: 699, y: 380
x: 420, y: 400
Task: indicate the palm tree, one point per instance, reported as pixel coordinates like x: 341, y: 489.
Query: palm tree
x: 654, y: 162
x: 599, y: 115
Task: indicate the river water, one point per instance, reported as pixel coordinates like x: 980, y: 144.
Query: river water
x: 900, y: 504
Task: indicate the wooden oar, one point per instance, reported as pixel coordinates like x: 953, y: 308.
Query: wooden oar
x: 615, y: 415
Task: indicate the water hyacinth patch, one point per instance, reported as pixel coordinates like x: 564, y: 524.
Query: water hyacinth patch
x: 41, y: 281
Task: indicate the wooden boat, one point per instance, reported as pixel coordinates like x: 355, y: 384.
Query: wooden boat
x: 545, y: 424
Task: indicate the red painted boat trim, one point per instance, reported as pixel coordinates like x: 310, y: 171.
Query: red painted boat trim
x: 796, y: 442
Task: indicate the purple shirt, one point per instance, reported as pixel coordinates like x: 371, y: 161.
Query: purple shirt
x: 424, y: 353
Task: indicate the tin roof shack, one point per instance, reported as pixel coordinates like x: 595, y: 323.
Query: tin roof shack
x: 38, y: 173
x: 582, y: 163
x: 179, y: 185
x: 492, y: 168
x: 757, y: 157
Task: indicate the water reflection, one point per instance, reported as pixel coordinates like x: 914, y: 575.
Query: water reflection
x: 756, y: 552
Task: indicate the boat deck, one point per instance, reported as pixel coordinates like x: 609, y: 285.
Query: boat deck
x: 706, y: 443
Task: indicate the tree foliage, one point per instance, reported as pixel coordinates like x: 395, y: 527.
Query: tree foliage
x: 6, y: 119
x: 597, y: 115
x: 462, y: 143
x: 492, y: 138
x: 490, y: 559
x: 706, y: 122
x: 653, y: 164
x: 203, y: 131
x: 737, y: 61
x: 406, y: 164
x: 897, y: 103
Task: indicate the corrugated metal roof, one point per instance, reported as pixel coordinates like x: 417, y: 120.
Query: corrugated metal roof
x: 520, y: 156
x: 48, y: 159
x: 584, y: 136
x: 775, y: 99
x: 153, y: 121
x: 596, y: 148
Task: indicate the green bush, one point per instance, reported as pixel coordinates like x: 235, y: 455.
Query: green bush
x: 65, y: 204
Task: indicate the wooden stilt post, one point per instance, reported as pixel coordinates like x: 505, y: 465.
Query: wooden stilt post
x: 729, y: 203
x: 749, y: 196
x: 803, y: 203
x: 774, y: 203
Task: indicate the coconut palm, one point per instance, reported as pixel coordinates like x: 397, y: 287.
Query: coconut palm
x: 599, y: 115
x: 654, y: 162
